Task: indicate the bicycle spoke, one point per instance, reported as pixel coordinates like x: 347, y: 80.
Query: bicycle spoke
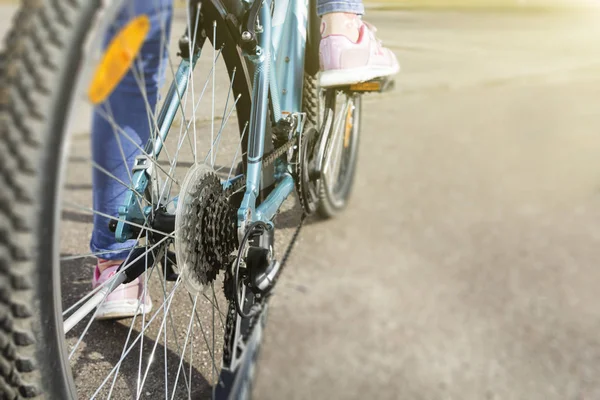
x: 229, y: 91
x: 121, y: 151
x: 215, y: 304
x: 190, y: 333
x: 165, y: 341
x: 110, y: 175
x: 139, y: 76
x: 164, y: 304
x: 213, y: 337
x: 151, y: 357
x: 193, y: 121
x: 176, y: 339
x: 97, y: 289
x: 127, y: 341
x: 140, y: 80
x: 124, y: 268
x: 109, y: 282
x: 140, y: 359
x: 163, y: 42
x: 163, y: 50
x: 212, y: 115
x: 181, y: 107
x: 210, y: 350
x: 239, y: 190
x: 192, y: 45
x: 184, y: 346
x: 217, y: 140
x: 98, y: 253
x: 237, y: 151
x: 148, y: 157
x: 191, y: 365
x: 112, y: 386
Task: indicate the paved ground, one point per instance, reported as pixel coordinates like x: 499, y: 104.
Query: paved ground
x: 466, y: 264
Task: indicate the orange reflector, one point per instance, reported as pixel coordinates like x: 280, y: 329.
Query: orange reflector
x: 366, y: 87
x: 117, y: 59
x: 348, y: 127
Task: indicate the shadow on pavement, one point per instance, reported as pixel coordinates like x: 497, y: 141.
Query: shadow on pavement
x: 103, y: 347
x: 74, y: 216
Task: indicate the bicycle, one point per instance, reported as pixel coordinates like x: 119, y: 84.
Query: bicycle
x: 195, y: 226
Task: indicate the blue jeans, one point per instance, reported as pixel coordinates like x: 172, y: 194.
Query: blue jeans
x: 112, y: 151
x: 348, y: 6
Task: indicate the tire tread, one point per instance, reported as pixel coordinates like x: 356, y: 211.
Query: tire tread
x: 31, y: 55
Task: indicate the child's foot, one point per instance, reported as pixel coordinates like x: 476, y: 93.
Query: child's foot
x: 350, y: 53
x: 126, y: 300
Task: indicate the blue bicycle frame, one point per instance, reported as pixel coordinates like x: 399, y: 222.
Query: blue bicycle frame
x: 279, y: 71
x: 279, y: 68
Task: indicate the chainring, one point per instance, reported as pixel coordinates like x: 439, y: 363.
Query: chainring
x: 306, y: 186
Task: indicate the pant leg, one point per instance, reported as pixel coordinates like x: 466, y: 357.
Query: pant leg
x: 129, y: 110
x: 331, y: 6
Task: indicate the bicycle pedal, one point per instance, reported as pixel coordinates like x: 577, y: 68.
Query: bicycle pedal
x: 379, y: 85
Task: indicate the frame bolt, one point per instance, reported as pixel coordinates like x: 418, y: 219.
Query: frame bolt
x: 246, y: 36
x: 284, y: 91
x: 287, y: 59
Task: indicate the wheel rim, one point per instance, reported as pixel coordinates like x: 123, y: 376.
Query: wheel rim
x: 148, y: 360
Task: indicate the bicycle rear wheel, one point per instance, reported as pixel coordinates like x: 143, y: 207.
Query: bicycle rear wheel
x: 177, y: 350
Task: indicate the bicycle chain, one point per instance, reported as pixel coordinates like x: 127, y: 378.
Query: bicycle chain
x: 228, y: 340
x: 310, y: 100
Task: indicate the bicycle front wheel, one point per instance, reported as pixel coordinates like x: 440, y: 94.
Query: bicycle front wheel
x: 341, y: 122
x: 172, y: 341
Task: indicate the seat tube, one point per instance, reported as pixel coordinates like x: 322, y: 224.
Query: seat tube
x: 290, y: 53
x: 258, y: 115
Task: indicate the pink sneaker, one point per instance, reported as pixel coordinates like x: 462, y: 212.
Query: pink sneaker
x: 344, y: 62
x: 124, y: 300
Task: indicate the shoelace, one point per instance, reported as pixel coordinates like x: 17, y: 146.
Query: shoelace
x: 372, y: 29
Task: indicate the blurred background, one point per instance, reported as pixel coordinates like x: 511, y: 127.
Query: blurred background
x: 466, y: 266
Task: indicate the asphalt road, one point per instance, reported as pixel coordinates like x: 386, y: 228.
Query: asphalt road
x: 466, y: 264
